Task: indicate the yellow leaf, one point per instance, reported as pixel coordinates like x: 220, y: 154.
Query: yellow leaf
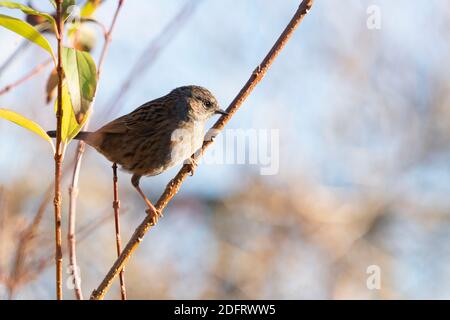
x: 89, y: 8
x: 81, y: 75
x: 28, y: 10
x: 27, y: 31
x: 70, y: 126
x: 25, y: 123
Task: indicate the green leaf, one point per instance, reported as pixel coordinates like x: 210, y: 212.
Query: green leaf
x: 81, y: 75
x: 69, y: 126
x: 89, y: 8
x: 73, y: 133
x: 68, y: 121
x: 25, y: 123
x: 28, y: 10
x: 27, y: 31
x: 66, y: 4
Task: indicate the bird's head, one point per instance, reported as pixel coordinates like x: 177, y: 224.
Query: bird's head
x: 201, y: 103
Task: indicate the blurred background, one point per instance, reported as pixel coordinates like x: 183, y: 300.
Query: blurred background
x: 363, y: 116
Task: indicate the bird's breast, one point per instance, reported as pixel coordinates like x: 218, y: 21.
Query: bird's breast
x: 186, y: 140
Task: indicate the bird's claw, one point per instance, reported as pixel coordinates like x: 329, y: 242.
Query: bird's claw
x: 192, y: 163
x: 155, y: 215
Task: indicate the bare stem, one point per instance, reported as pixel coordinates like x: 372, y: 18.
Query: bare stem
x: 34, y: 72
x: 71, y: 237
x: 108, y: 38
x: 73, y: 190
x: 26, y: 237
x: 58, y: 155
x: 116, y: 206
x: 173, y: 187
x: 20, y: 49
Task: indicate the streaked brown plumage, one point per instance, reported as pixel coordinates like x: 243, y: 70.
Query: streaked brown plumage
x: 156, y: 136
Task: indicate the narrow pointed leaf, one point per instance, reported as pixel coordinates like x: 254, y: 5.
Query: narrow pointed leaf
x: 79, y: 126
x: 81, y: 75
x: 27, y: 31
x: 25, y: 123
x: 70, y: 126
x: 68, y: 121
x: 89, y: 8
x: 28, y: 10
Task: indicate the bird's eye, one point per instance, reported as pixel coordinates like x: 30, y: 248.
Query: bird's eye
x: 208, y: 104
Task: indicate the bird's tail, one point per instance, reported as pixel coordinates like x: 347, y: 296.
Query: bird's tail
x: 81, y: 136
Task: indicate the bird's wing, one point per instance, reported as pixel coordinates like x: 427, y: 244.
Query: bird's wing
x: 144, y: 121
x: 115, y: 126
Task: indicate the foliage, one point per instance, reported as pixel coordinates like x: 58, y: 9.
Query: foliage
x: 80, y: 72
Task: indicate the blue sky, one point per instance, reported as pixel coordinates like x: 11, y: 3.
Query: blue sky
x: 352, y: 104
x: 221, y: 45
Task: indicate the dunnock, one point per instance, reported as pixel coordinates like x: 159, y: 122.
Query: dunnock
x: 156, y: 136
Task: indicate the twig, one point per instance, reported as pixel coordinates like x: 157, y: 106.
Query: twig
x: 58, y: 154
x: 35, y: 71
x: 96, y: 22
x: 13, y: 56
x: 25, y: 239
x: 116, y: 206
x: 73, y: 190
x: 173, y: 187
x: 86, y: 230
x: 108, y: 38
x: 22, y: 46
x: 30, y: 272
x: 71, y: 236
x: 19, y: 269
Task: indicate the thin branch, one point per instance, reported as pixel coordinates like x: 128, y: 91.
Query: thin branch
x: 108, y: 38
x: 8, y: 62
x: 26, y: 237
x: 21, y: 48
x: 96, y: 22
x: 34, y: 72
x: 58, y: 154
x: 73, y: 190
x: 19, y: 269
x: 89, y: 228
x: 173, y: 187
x: 71, y: 236
x: 116, y: 206
x: 31, y: 271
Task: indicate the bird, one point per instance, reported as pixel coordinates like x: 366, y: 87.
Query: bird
x: 157, y: 136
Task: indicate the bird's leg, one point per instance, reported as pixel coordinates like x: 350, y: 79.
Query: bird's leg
x: 151, y: 208
x: 192, y: 163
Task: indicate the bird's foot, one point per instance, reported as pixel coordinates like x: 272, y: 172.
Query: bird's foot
x: 192, y: 163
x: 155, y: 214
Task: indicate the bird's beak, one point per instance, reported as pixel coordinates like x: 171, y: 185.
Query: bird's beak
x: 222, y: 112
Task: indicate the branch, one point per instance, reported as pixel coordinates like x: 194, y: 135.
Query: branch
x: 25, y: 239
x: 71, y: 236
x: 108, y: 39
x: 73, y: 190
x: 21, y: 48
x: 35, y: 71
x: 58, y: 154
x: 173, y: 187
x: 116, y: 206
